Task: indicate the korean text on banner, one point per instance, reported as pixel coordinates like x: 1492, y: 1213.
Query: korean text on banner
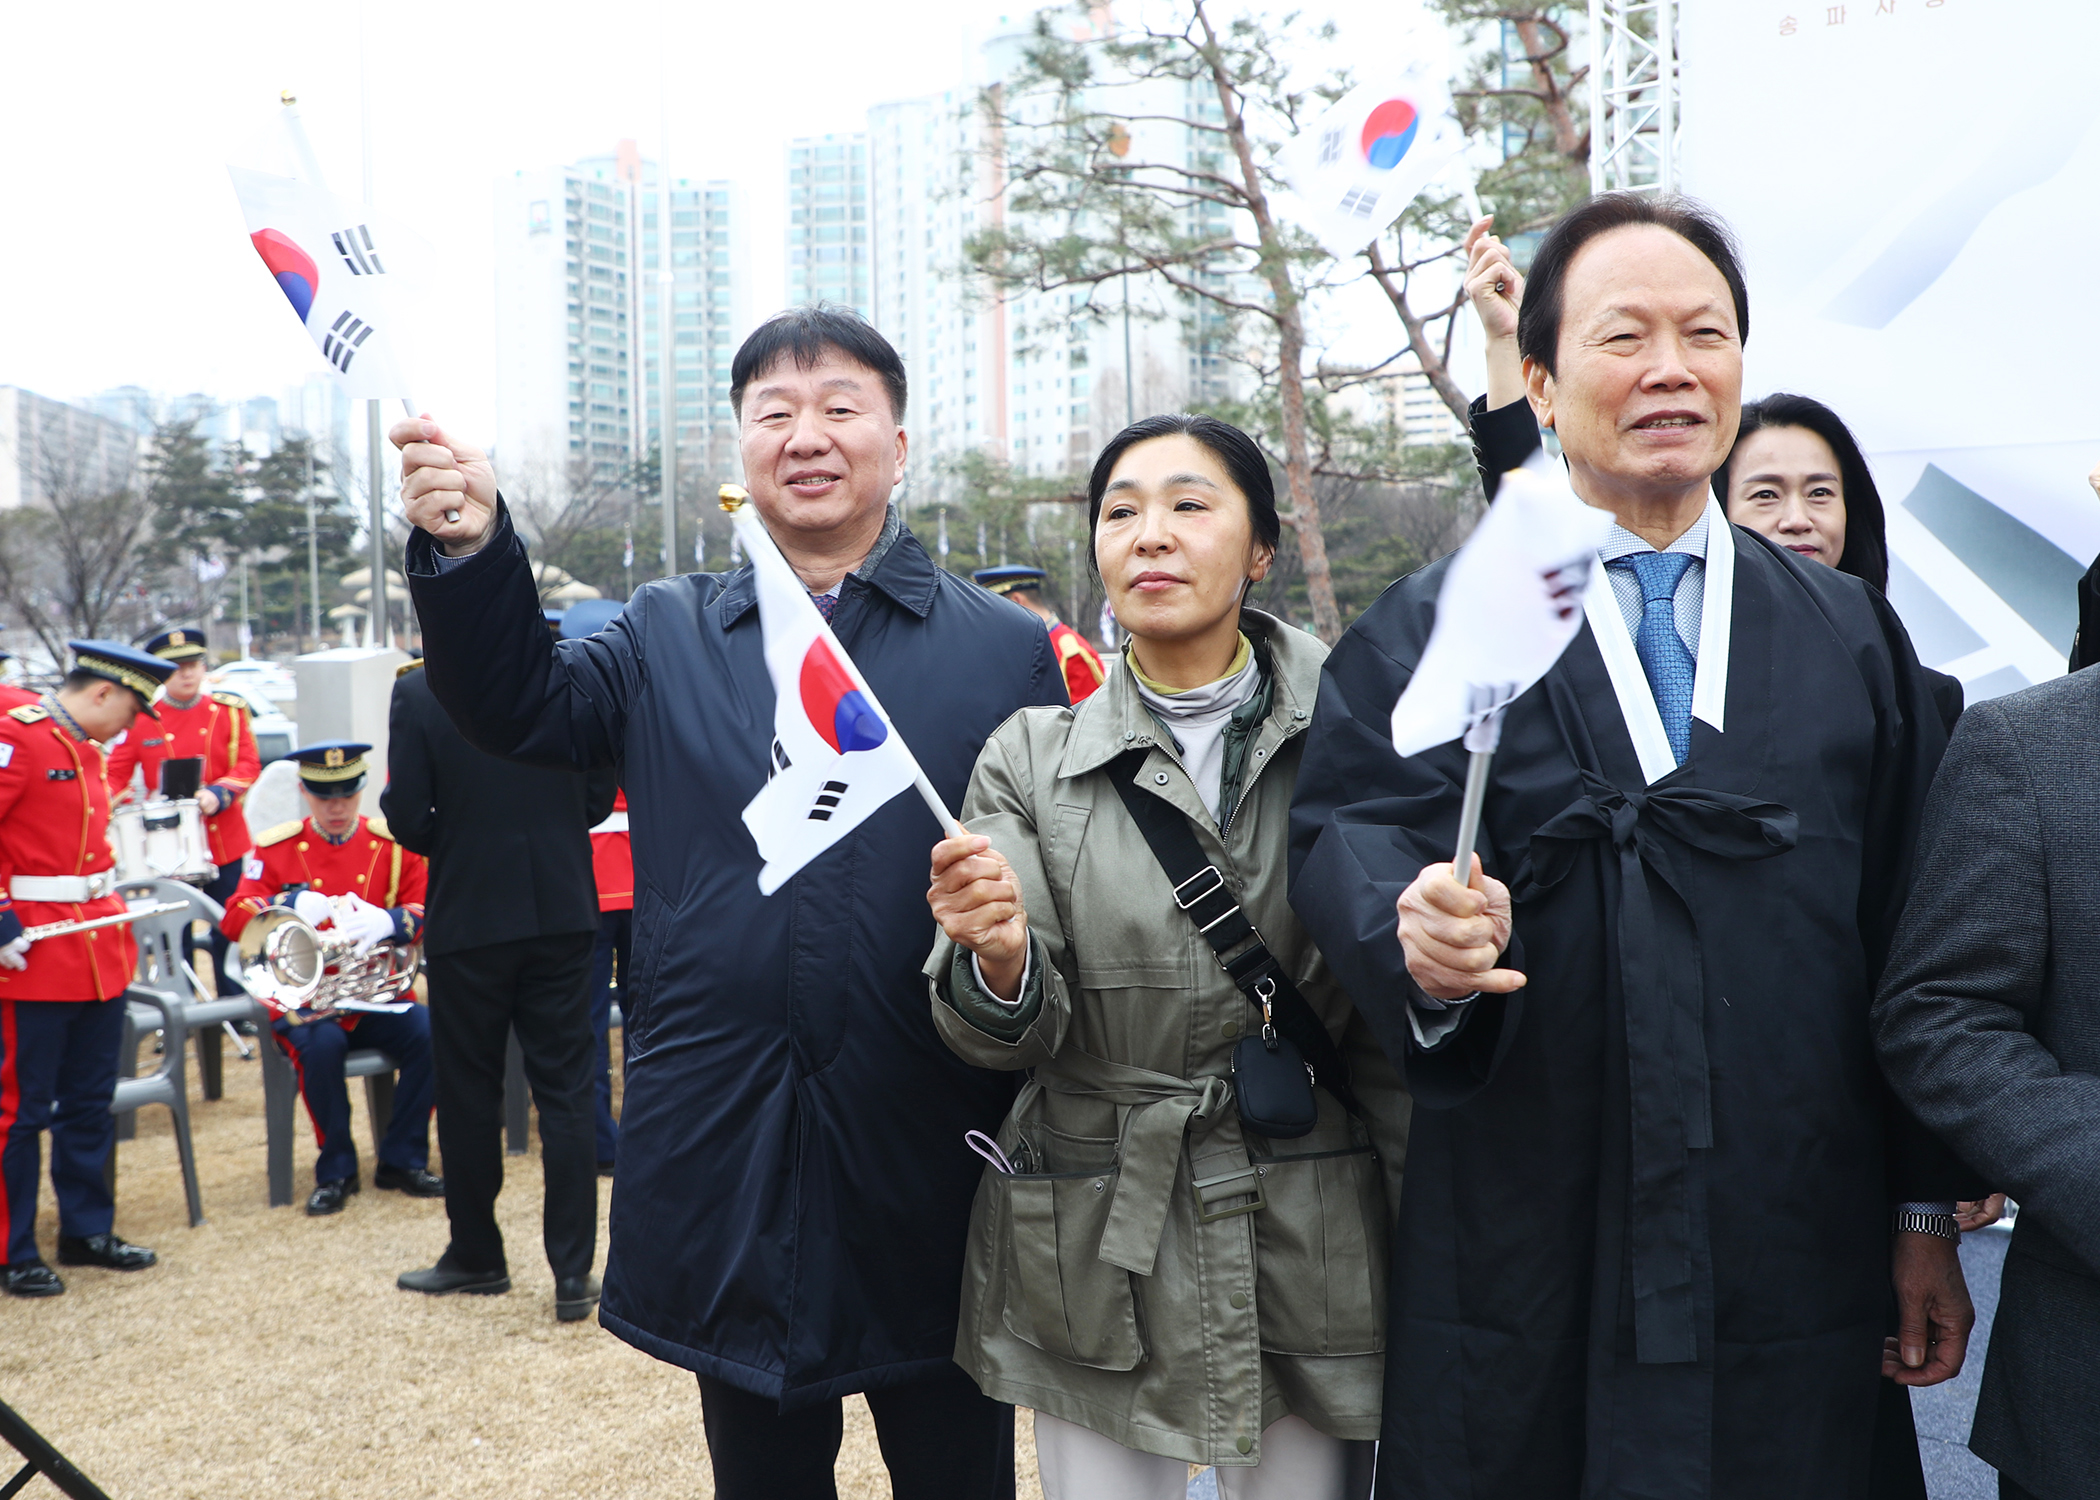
x: 1358, y: 166
x: 1510, y: 604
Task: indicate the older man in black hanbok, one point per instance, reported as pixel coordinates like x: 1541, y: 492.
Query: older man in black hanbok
x: 1659, y: 1212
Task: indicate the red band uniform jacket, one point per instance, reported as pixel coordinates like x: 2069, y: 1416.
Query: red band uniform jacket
x: 54, y: 820
x: 612, y: 859
x: 1079, y: 662
x: 215, y: 727
x: 295, y: 856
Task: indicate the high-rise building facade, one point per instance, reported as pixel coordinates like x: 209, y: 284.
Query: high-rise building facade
x: 579, y: 342
x: 827, y: 211
x: 53, y: 451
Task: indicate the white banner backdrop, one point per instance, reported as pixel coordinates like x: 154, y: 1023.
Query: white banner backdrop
x: 1916, y: 184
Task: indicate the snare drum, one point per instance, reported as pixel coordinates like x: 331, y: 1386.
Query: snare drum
x: 161, y: 840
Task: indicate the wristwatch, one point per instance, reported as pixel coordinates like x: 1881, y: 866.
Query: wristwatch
x: 1908, y: 1221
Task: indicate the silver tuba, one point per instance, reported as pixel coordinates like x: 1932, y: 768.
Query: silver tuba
x: 304, y: 974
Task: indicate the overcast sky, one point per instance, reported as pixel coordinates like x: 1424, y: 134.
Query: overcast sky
x: 122, y: 250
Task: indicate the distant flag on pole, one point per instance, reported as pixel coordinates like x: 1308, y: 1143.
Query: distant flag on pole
x: 327, y: 262
x: 835, y: 757
x: 1358, y: 166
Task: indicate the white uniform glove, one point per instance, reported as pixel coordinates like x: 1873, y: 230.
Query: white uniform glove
x: 312, y: 908
x: 368, y: 924
x: 16, y: 954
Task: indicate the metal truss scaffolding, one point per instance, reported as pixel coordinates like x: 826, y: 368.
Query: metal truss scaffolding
x: 1634, y: 115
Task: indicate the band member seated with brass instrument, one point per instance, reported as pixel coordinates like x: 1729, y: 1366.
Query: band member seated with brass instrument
x: 344, y: 874
x: 213, y: 728
x: 62, y: 994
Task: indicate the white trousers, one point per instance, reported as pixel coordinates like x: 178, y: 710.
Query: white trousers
x: 1298, y: 1462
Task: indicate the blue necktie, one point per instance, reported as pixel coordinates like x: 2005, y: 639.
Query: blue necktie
x: 825, y: 604
x: 1669, y: 665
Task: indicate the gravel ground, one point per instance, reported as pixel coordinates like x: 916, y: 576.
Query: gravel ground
x: 270, y: 1354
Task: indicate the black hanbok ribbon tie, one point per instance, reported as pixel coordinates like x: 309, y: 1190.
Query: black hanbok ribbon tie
x: 1662, y: 987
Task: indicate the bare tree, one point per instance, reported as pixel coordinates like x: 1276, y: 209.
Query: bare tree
x: 1083, y: 212
x: 74, y: 556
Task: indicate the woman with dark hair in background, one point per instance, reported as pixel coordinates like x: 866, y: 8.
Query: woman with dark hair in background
x: 1178, y: 1251
x: 1796, y: 473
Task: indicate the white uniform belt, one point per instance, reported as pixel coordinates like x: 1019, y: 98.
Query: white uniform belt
x: 62, y: 887
x: 614, y: 823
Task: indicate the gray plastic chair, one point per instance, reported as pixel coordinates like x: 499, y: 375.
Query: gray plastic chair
x: 281, y: 1105
x: 162, y: 967
x: 167, y: 1085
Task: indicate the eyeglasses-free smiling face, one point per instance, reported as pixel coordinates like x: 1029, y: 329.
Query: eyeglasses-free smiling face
x: 1647, y: 391
x: 821, y: 446
x: 1175, y: 541
x: 1785, y: 483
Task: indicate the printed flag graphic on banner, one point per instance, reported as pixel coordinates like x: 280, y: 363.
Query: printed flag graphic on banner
x: 835, y: 757
x: 327, y: 262
x: 1361, y: 163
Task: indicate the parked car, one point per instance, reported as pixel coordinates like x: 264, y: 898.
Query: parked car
x: 257, y: 681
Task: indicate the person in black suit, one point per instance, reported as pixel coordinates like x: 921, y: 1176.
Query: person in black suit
x: 1988, y: 1025
x: 513, y: 913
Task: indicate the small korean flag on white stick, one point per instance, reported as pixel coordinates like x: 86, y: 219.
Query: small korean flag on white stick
x: 836, y: 757
x: 332, y: 269
x: 1358, y: 166
x: 1511, y: 602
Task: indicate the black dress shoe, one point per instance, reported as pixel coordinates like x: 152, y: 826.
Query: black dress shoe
x: 32, y: 1278
x: 413, y: 1181
x: 329, y: 1197
x: 442, y: 1281
x: 574, y: 1297
x: 104, y: 1250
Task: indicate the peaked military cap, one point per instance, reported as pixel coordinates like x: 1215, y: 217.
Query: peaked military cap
x: 332, y: 768
x: 126, y: 665
x: 177, y: 645
x: 1007, y: 577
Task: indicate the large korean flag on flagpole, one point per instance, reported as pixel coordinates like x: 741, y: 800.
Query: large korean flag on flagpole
x: 1359, y: 165
x: 333, y: 271
x: 836, y: 757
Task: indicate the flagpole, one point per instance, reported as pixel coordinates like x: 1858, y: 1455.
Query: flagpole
x: 744, y: 519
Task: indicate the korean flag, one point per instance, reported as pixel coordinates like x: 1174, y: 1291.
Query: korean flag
x: 1359, y: 165
x: 835, y: 757
x: 332, y: 269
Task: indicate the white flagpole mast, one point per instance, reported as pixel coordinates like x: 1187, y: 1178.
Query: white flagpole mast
x: 755, y: 536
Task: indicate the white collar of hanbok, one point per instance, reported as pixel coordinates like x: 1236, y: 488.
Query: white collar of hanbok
x: 1630, y: 683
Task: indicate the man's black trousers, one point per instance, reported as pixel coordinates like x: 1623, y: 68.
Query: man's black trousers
x: 541, y: 986
x: 941, y: 1439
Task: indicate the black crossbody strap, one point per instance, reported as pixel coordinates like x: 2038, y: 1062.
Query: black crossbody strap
x: 1204, y: 896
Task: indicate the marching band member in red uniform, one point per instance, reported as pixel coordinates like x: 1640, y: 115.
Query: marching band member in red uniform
x: 335, y: 852
x: 62, y: 997
x: 215, y: 728
x: 612, y: 862
x: 1079, y: 662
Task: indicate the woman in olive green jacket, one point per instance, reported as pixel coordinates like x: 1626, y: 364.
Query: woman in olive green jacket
x: 1159, y: 1282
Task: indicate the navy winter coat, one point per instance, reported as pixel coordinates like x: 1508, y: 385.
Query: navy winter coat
x: 794, y: 1191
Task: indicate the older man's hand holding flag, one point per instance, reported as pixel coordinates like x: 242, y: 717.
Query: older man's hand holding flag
x: 1510, y: 603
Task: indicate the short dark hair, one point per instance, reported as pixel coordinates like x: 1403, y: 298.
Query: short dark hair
x: 1240, y: 454
x: 1866, y: 554
x: 805, y: 335
x: 1545, y: 287
x: 79, y: 677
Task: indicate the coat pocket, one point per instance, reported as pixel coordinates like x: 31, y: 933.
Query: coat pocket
x: 1060, y: 1295
x: 1320, y: 1253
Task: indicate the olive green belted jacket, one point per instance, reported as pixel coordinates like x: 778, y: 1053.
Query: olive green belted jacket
x: 1151, y: 1270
